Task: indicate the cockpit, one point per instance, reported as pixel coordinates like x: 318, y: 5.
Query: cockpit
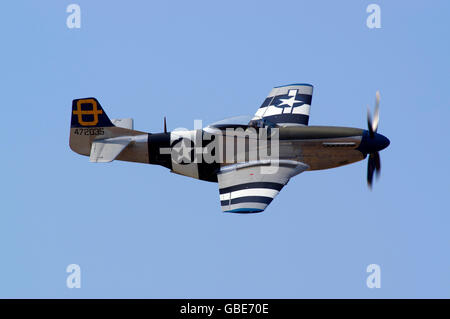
x: 243, y: 121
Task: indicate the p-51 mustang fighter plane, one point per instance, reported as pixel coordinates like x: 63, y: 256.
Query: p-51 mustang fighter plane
x: 236, y: 156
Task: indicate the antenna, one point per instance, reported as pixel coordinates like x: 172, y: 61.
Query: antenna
x: 165, y: 125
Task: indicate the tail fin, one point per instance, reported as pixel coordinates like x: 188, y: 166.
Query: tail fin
x: 88, y: 113
x: 93, y: 134
x: 88, y: 122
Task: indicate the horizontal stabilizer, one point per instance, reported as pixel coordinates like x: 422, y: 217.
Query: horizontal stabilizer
x: 107, y: 150
x: 124, y: 123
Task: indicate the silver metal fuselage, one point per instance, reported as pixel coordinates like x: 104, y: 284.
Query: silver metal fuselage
x: 319, y: 147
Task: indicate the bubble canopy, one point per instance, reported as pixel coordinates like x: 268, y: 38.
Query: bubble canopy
x: 241, y: 120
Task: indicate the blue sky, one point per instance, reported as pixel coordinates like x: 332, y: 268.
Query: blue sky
x: 139, y: 231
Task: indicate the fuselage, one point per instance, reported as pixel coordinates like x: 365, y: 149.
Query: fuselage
x: 320, y: 147
x: 194, y: 153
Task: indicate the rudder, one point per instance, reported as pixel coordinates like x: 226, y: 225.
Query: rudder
x: 87, y: 113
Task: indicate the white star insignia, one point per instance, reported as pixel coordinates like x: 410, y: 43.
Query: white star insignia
x: 181, y: 152
x: 290, y: 101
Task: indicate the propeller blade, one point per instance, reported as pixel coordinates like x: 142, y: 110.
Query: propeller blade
x: 370, y: 170
x: 373, y: 166
x: 369, y: 122
x: 377, y: 163
x: 376, y: 114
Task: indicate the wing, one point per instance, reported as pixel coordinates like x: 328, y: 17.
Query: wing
x: 250, y: 187
x: 287, y: 105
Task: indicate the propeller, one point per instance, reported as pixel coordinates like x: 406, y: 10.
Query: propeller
x: 374, y: 162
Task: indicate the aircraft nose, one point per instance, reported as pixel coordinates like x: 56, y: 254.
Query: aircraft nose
x: 373, y: 144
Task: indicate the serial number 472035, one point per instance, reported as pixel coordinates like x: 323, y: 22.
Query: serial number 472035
x: 89, y: 131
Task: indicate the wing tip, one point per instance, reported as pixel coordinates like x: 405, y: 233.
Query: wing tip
x: 294, y: 84
x: 244, y: 210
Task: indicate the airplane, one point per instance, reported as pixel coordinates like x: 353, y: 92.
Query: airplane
x: 245, y: 180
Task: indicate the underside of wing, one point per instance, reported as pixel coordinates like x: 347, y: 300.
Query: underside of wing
x: 287, y: 105
x: 251, y: 187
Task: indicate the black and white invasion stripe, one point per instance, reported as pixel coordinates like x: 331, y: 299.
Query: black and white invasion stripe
x: 248, y: 197
x: 287, y: 105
